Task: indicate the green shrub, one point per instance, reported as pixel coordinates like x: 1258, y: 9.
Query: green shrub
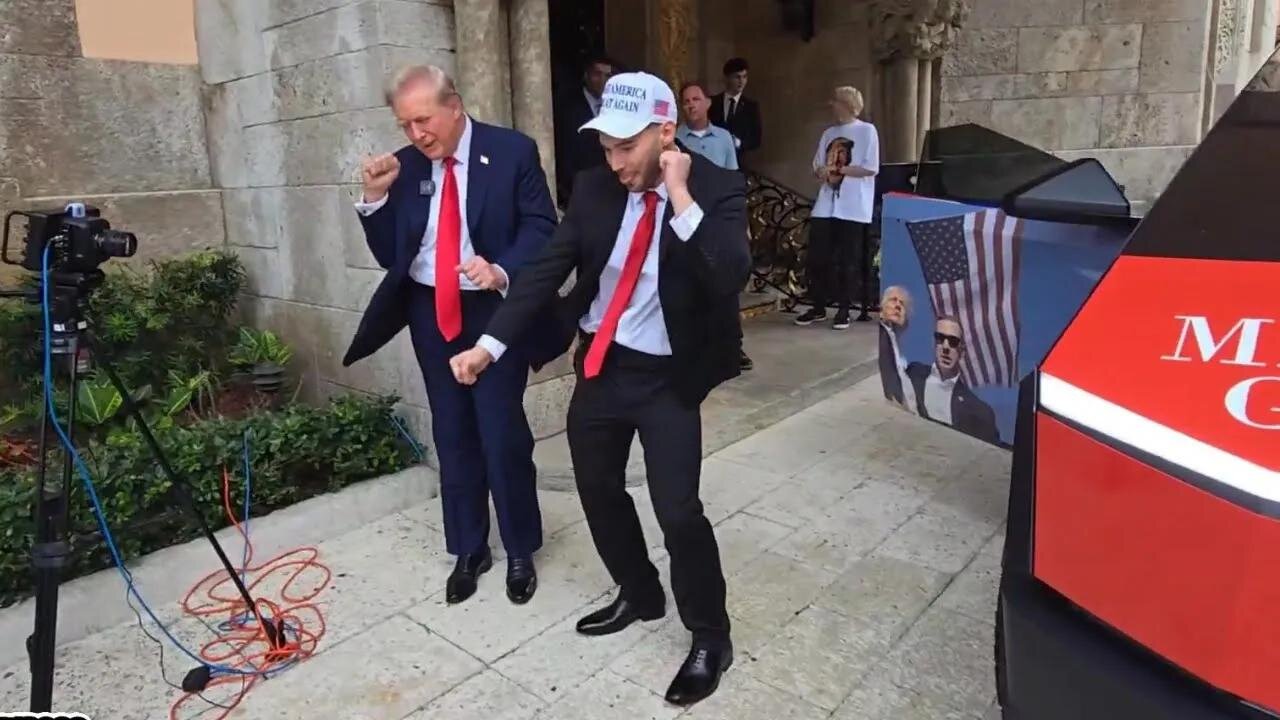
x: 297, y: 452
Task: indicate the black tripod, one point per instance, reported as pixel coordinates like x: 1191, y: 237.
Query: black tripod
x: 69, y: 334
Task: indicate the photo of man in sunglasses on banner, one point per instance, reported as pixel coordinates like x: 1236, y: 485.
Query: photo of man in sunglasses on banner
x: 942, y: 395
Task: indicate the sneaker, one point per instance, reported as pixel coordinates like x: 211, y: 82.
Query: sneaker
x: 744, y: 362
x: 811, y: 316
x: 842, y: 320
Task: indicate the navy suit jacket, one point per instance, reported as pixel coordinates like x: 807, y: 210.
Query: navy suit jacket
x: 509, y: 215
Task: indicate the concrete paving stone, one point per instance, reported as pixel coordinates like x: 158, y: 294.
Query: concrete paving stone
x: 885, y: 593
x: 743, y: 697
x: 743, y: 538
x: 610, y: 697
x: 852, y: 527
x: 938, y: 538
x: 570, y: 558
x: 488, y: 695
x: 556, y: 662
x: 750, y: 639
x: 773, y: 589
x: 380, y: 570
x: 798, y: 504
x: 820, y: 657
x: 995, y: 546
x: 975, y: 498
x: 489, y: 626
x: 652, y: 662
x: 382, y: 674
x: 973, y: 592
x: 728, y: 487
x: 792, y: 446
x: 946, y: 656
x: 880, y: 699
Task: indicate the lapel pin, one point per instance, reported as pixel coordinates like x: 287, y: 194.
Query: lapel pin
x: 484, y: 159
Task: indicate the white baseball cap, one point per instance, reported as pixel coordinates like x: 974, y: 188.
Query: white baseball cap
x: 632, y: 102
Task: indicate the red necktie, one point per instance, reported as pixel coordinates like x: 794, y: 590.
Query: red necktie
x: 626, y: 285
x: 448, y: 257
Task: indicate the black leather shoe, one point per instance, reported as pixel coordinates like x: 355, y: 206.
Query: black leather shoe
x: 699, y: 676
x: 617, y: 617
x: 462, y: 581
x: 522, y: 580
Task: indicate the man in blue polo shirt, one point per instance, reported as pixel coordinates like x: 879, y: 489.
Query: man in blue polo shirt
x: 698, y: 134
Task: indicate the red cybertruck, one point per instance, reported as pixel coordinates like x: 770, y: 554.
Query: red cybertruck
x: 1141, y: 574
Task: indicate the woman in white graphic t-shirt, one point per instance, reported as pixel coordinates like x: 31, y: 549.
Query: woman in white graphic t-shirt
x: 846, y: 163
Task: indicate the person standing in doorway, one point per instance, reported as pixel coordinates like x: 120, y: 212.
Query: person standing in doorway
x: 656, y: 240
x: 846, y: 164
x: 737, y: 113
x: 454, y: 217
x: 576, y: 151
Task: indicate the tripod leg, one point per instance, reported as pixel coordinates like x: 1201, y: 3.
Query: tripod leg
x: 49, y: 556
x: 178, y: 483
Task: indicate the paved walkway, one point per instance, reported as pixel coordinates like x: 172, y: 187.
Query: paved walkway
x: 862, y: 548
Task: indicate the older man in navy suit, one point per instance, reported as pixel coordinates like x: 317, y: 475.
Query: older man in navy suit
x: 454, y: 217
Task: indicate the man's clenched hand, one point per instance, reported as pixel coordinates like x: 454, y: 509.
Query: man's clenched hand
x: 468, y: 365
x: 484, y: 274
x: 378, y: 173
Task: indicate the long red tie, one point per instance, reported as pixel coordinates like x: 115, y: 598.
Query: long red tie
x: 640, y: 241
x: 448, y: 257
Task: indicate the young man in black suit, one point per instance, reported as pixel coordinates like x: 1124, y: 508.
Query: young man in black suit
x: 577, y: 151
x: 656, y: 239
x: 738, y: 114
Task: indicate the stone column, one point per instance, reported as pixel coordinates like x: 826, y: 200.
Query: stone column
x: 907, y: 36
x: 482, y: 71
x: 531, y: 78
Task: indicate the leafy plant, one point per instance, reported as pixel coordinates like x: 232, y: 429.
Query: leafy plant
x: 259, y: 347
x: 298, y: 452
x: 97, y: 401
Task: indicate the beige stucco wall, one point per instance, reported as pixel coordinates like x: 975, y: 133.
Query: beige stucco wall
x: 155, y: 31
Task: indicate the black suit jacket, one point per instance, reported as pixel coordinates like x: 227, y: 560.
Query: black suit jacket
x: 698, y: 279
x: 969, y: 414
x: 509, y: 216
x: 890, y: 380
x: 745, y: 125
x: 575, y: 151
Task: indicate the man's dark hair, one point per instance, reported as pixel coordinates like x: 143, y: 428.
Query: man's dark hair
x: 735, y: 65
x: 598, y: 59
x: 692, y: 84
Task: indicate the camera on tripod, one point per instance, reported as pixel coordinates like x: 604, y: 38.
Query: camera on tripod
x: 77, y: 237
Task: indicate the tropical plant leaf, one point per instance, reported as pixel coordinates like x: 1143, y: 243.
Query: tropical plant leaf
x: 97, y: 401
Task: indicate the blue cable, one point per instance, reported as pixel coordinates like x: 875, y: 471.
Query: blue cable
x: 418, y: 450
x: 92, y: 492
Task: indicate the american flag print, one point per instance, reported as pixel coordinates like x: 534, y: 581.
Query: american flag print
x: 971, y: 267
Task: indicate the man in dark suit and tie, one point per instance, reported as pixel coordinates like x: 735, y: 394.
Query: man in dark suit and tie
x: 657, y: 242
x: 576, y: 151
x: 454, y: 217
x: 942, y: 395
x: 738, y: 114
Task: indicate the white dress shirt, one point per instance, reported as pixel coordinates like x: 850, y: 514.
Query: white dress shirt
x: 642, y: 326
x: 937, y: 396
x: 593, y: 101
x: 423, y: 269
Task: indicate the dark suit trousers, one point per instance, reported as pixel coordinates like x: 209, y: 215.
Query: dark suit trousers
x: 838, y: 248
x: 633, y: 394
x: 481, y: 433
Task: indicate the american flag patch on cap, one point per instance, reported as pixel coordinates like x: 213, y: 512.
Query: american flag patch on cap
x: 661, y: 107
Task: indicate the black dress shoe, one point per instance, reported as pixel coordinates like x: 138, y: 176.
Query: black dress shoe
x: 522, y: 580
x: 617, y: 616
x: 699, y: 676
x: 462, y: 581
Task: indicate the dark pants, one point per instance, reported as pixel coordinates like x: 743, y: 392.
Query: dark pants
x: 838, y: 248
x: 481, y: 433
x: 632, y: 394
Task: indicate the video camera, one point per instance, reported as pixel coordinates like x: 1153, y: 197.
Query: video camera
x: 79, y: 240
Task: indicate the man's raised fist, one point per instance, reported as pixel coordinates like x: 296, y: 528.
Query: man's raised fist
x: 378, y: 173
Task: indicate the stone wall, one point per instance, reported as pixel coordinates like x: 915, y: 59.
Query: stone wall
x: 790, y: 78
x: 294, y: 101
x: 1120, y: 80
x: 128, y: 137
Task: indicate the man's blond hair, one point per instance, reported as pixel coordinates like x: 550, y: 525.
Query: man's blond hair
x: 851, y: 98
x: 431, y: 75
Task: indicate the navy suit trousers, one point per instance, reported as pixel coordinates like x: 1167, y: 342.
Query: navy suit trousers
x: 481, y: 433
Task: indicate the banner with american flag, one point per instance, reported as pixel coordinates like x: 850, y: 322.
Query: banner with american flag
x: 971, y: 267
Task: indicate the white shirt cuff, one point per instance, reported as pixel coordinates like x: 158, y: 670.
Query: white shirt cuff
x: 492, y: 345
x: 506, y: 281
x: 368, y: 209
x: 736, y: 142
x: 686, y: 223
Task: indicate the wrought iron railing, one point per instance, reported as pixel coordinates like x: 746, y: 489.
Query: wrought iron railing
x: 778, y: 220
